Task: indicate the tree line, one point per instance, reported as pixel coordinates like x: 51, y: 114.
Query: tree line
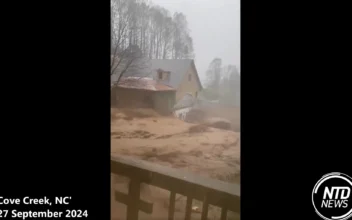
x: 222, y: 83
x: 141, y: 29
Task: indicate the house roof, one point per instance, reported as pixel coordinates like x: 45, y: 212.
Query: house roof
x: 143, y: 83
x: 177, y: 67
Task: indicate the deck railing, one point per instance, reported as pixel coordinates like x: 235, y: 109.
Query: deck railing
x: 209, y: 191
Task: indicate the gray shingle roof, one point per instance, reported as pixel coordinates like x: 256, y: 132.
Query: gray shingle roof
x: 177, y: 67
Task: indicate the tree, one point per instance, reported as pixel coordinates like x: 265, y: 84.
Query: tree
x: 120, y: 19
x: 125, y: 53
x: 214, y: 74
x: 140, y: 30
x: 223, y: 83
x: 212, y: 85
x: 182, y: 41
x: 167, y: 37
x: 230, y: 86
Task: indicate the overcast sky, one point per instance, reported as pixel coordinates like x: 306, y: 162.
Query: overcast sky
x: 215, y: 29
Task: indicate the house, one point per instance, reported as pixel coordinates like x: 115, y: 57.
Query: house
x: 142, y: 92
x: 178, y: 75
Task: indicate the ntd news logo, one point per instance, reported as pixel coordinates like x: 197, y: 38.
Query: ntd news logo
x: 332, y: 197
x: 341, y: 197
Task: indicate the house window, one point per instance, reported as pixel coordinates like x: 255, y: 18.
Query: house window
x: 160, y: 75
x: 189, y: 77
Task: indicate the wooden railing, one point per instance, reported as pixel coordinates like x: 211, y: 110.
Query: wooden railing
x: 209, y: 191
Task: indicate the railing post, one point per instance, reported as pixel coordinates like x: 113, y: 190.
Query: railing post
x: 223, y: 213
x: 133, y: 193
x: 172, y: 205
x: 188, y: 208
x: 205, y: 208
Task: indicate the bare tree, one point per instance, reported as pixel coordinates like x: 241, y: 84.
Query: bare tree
x: 125, y: 54
x: 140, y: 30
x: 182, y: 41
x: 167, y: 37
x: 214, y: 74
x: 120, y: 18
x: 230, y: 86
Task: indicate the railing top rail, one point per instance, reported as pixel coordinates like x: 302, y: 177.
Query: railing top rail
x: 219, y: 192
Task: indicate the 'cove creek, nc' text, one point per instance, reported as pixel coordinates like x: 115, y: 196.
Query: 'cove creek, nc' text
x: 33, y: 201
